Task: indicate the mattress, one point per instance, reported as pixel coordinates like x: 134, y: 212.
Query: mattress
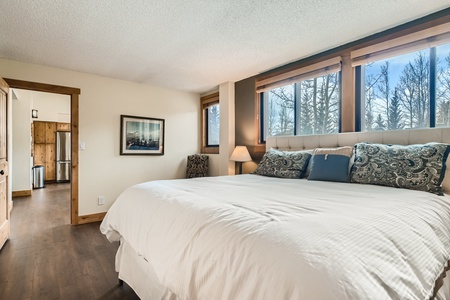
x: 254, y: 237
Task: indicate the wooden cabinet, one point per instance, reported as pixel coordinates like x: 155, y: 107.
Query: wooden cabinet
x: 39, y: 132
x: 50, y: 161
x: 39, y: 154
x: 63, y: 127
x: 45, y: 148
x: 50, y: 132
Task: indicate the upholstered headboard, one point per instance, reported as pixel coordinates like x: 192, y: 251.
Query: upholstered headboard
x: 400, y: 137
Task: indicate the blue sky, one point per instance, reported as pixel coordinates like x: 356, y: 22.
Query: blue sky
x: 398, y: 63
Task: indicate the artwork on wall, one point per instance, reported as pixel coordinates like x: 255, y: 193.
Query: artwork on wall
x: 141, y: 136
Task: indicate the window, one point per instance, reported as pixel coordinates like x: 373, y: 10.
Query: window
x: 397, y: 93
x: 405, y: 86
x: 210, y: 124
x: 213, y: 122
x: 308, y: 104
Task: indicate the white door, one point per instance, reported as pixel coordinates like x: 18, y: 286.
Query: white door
x: 4, y: 168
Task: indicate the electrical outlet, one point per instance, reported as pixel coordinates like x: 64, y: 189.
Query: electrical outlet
x: 101, y: 200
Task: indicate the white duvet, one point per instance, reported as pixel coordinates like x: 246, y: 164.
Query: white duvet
x: 254, y: 237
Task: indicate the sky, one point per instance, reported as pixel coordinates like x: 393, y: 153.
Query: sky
x: 398, y: 63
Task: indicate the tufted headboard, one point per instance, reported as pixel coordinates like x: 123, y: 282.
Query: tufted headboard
x: 400, y: 137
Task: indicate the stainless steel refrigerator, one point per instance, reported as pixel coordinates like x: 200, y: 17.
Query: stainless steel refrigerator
x: 63, y: 152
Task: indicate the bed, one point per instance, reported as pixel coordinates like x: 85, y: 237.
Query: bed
x: 260, y: 237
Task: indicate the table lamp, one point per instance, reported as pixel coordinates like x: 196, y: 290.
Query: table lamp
x: 240, y: 154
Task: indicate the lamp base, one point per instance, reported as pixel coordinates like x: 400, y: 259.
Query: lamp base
x: 239, y: 167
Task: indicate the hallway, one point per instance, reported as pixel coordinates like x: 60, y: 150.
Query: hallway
x: 47, y: 258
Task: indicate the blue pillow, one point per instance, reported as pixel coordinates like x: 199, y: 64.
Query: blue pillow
x: 329, y: 167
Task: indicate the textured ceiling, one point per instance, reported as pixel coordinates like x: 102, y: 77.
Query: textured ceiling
x: 190, y: 45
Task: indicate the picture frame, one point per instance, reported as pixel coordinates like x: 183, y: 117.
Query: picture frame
x: 141, y: 135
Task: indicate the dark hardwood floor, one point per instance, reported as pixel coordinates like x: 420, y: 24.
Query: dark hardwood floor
x: 47, y: 258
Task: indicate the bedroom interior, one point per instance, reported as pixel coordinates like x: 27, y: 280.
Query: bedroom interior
x: 107, y: 91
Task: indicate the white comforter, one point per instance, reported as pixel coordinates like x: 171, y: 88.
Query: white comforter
x: 254, y: 237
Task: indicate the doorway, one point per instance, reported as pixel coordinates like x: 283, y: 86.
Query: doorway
x: 74, y: 100
x: 41, y: 143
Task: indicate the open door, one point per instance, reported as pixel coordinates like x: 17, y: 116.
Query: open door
x: 4, y: 167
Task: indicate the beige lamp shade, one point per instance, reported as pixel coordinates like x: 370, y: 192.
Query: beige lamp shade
x: 240, y: 154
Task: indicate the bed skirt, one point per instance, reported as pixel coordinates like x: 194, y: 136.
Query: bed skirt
x: 140, y: 276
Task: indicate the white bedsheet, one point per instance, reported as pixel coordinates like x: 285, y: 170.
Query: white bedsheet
x: 254, y: 237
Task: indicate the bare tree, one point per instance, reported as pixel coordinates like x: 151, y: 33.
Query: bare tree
x: 407, y: 93
x: 306, y: 114
x: 414, y: 91
x: 284, y: 100
x: 329, y: 99
x: 272, y: 118
x: 371, y: 81
x: 384, y: 91
x: 323, y: 97
x: 420, y: 69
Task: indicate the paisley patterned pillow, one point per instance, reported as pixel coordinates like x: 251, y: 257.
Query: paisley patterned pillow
x: 417, y: 167
x: 283, y: 164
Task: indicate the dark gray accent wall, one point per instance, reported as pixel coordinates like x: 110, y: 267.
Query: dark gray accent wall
x: 246, y: 129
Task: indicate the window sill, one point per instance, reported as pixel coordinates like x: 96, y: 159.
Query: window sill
x: 210, y: 150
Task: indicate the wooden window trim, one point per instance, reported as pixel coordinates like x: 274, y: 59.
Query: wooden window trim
x: 427, y: 38
x: 207, y: 101
x: 328, y: 66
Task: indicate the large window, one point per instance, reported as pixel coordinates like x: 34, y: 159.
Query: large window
x: 406, y: 86
x: 210, y: 123
x: 308, y: 104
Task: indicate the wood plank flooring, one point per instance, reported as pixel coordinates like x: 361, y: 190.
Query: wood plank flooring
x: 47, y: 258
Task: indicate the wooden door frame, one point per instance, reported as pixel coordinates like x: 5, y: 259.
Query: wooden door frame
x: 74, y: 114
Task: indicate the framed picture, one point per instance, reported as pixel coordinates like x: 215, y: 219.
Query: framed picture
x: 141, y: 136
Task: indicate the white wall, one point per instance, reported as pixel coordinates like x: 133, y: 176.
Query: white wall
x: 220, y: 164
x: 21, y: 144
x: 51, y: 107
x: 227, y: 128
x: 102, y: 171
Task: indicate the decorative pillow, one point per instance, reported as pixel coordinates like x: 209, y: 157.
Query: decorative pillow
x: 283, y: 164
x: 417, y: 167
x: 330, y: 164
